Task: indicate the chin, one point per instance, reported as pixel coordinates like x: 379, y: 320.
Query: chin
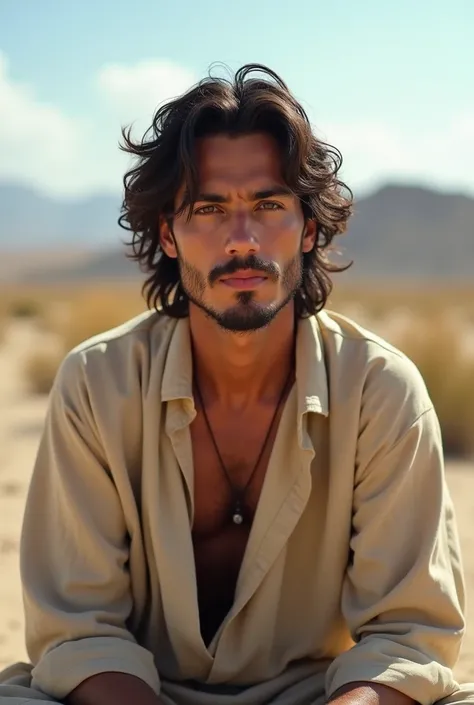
x: 246, y: 318
x: 246, y: 315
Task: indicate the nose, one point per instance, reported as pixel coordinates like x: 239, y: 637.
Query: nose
x: 242, y: 241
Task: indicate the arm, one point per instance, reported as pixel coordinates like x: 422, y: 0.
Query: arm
x: 113, y: 689
x: 403, y: 594
x: 74, y: 561
x: 369, y: 694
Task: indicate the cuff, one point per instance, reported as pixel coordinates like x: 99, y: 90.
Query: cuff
x: 425, y: 683
x: 65, y: 667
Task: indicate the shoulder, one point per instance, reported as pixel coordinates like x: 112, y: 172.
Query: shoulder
x: 385, y: 384
x: 117, y: 359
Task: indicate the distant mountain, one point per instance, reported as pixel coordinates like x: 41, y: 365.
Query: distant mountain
x: 30, y: 219
x: 402, y: 231
x: 396, y: 232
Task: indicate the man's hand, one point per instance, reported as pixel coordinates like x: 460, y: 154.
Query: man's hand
x: 113, y: 689
x: 363, y: 693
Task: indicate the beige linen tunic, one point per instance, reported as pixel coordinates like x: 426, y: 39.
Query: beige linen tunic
x: 352, y: 569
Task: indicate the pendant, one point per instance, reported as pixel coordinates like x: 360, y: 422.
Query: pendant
x: 238, y: 516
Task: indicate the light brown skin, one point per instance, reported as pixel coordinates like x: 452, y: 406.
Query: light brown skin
x: 241, y: 376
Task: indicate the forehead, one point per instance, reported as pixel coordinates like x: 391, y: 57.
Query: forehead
x: 235, y: 162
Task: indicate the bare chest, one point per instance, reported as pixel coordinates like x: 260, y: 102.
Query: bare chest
x: 219, y: 544
x: 230, y: 468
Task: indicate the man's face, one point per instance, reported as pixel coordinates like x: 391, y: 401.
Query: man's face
x: 240, y: 253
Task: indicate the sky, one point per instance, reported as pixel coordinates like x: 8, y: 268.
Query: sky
x: 390, y: 84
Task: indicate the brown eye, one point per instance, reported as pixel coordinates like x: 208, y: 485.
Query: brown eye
x: 269, y: 206
x: 206, y: 210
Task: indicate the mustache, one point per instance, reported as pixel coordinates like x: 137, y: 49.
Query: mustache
x: 241, y: 263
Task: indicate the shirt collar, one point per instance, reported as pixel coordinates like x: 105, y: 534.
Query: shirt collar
x: 177, y: 381
x: 311, y: 373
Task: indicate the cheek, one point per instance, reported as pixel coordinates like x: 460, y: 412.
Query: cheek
x: 192, y: 248
x: 291, y: 225
x: 286, y: 233
x: 293, y: 220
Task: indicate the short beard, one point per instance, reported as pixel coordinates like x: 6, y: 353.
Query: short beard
x: 246, y: 315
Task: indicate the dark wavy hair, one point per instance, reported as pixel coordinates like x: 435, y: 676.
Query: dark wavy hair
x: 166, y: 159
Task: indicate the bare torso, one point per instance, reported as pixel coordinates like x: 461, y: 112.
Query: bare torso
x: 219, y: 544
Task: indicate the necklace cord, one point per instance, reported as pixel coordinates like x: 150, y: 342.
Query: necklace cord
x: 238, y: 493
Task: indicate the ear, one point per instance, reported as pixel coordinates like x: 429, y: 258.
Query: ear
x: 167, y: 242
x: 309, y: 235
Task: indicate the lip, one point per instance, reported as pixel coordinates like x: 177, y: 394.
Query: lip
x: 244, y: 280
x: 244, y: 284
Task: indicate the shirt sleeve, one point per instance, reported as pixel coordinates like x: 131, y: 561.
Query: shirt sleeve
x: 403, y: 595
x: 74, y: 553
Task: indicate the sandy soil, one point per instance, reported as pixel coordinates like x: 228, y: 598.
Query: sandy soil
x: 21, y: 418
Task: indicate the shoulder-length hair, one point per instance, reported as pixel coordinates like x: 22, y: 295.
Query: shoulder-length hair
x: 166, y: 159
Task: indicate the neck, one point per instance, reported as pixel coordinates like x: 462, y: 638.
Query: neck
x: 238, y: 370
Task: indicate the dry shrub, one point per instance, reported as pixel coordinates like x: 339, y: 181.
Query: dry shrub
x: 25, y: 308
x: 73, y: 316
x: 436, y: 346
x: 40, y: 370
x: 97, y: 311
x: 22, y: 302
x: 379, y: 300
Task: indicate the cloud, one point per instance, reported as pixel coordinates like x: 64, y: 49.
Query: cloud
x: 439, y: 156
x: 43, y: 146
x: 134, y: 92
x: 39, y: 144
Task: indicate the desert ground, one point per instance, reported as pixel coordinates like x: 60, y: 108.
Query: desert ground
x: 21, y: 419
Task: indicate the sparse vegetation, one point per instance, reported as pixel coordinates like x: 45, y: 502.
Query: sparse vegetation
x: 25, y: 308
x: 74, y: 316
x: 436, y: 347
x: 429, y: 326
x: 93, y: 312
x: 40, y: 370
x: 381, y: 299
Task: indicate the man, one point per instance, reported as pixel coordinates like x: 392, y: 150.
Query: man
x: 239, y: 497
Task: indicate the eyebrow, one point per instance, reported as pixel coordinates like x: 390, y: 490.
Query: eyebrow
x: 255, y: 196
